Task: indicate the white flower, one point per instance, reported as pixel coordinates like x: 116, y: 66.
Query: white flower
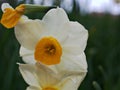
x: 68, y: 39
x: 40, y: 77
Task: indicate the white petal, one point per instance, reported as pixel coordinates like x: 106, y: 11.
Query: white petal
x: 27, y: 55
x: 78, y: 79
x: 73, y: 82
x: 73, y: 63
x: 28, y: 31
x: 33, y: 88
x: 4, y: 6
x: 29, y: 59
x: 46, y: 75
x: 54, y: 21
x: 29, y: 74
x: 55, y: 18
x: 72, y: 49
x: 77, y: 38
x: 25, y: 51
x: 68, y: 85
x: 59, y: 34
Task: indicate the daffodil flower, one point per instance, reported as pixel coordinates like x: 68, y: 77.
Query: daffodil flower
x: 54, y: 40
x: 40, y: 77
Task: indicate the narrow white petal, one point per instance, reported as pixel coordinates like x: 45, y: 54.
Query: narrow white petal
x: 73, y: 63
x: 54, y: 21
x: 4, y: 6
x: 72, y: 49
x: 60, y: 34
x: 29, y: 59
x: 27, y: 55
x: 28, y: 31
x: 72, y: 83
x: 46, y: 75
x: 77, y: 38
x: 28, y: 73
x: 25, y: 51
x: 55, y: 18
x: 33, y: 88
x: 78, y: 79
x: 68, y: 85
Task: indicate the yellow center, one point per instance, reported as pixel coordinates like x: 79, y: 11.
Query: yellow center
x: 11, y: 16
x: 48, y: 51
x: 49, y: 88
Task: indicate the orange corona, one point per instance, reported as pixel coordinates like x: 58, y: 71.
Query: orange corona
x: 48, y: 51
x: 49, y: 88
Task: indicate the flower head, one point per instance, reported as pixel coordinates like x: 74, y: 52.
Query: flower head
x: 11, y: 16
x: 65, y: 39
x: 40, y: 77
x: 54, y: 40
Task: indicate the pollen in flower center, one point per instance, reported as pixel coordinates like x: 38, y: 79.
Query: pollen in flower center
x: 48, y: 51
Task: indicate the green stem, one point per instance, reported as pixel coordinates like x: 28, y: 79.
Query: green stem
x: 29, y: 8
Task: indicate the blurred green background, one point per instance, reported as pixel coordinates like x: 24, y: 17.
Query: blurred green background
x: 103, y: 51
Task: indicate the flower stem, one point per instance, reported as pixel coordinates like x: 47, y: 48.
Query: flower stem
x: 29, y: 8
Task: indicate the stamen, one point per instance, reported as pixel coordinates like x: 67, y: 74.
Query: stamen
x: 50, y: 50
